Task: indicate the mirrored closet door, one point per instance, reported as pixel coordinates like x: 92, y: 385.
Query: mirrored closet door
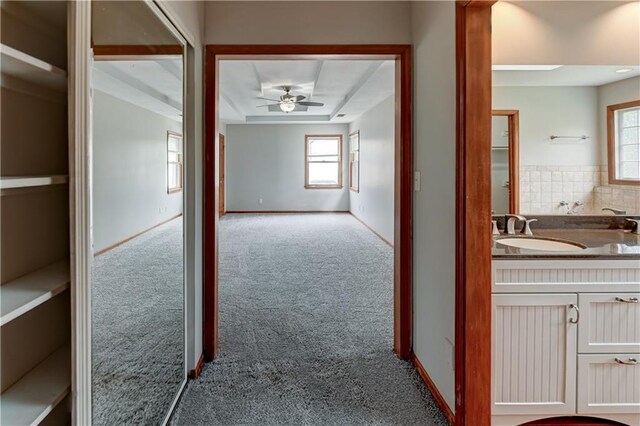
x: 138, y: 343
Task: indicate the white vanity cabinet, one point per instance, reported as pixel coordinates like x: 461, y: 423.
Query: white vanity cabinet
x: 566, y: 340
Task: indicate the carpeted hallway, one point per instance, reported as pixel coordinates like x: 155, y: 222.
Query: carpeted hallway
x: 305, y: 330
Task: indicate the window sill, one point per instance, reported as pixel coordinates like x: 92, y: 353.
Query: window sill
x: 323, y: 187
x: 173, y: 191
x: 624, y: 182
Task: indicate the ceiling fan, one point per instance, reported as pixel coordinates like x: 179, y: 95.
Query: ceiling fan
x: 288, y: 102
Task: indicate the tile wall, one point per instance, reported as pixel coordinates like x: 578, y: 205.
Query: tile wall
x: 584, y: 188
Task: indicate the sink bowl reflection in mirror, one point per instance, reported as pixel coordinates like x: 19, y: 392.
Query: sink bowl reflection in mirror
x: 541, y: 244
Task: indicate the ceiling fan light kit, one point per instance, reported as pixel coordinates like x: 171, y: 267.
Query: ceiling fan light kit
x: 288, y: 102
x: 287, y: 106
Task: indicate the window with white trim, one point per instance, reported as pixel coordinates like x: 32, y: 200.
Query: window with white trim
x: 323, y: 161
x: 623, y: 127
x: 174, y: 162
x: 354, y: 161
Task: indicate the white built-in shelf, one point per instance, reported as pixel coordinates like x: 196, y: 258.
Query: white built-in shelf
x: 33, y: 397
x: 500, y: 148
x: 24, y: 66
x: 25, y: 293
x: 13, y: 182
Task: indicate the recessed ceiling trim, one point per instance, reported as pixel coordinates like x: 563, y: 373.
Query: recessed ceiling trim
x: 232, y: 104
x: 171, y: 68
x: 138, y: 85
x: 365, y: 77
x: 286, y: 118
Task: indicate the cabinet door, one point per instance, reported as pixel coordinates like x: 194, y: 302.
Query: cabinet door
x: 534, y: 354
x: 610, y: 323
x: 609, y: 384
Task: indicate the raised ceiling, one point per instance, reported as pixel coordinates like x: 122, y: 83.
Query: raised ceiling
x: 348, y: 88
x: 155, y: 85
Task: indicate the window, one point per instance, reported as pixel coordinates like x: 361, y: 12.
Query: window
x: 323, y: 161
x: 354, y: 161
x: 174, y: 162
x: 623, y: 133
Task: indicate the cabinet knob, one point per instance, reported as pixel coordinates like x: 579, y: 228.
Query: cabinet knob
x: 630, y: 361
x: 577, y: 318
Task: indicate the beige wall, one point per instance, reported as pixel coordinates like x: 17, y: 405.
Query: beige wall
x: 344, y: 22
x: 566, y: 32
x: 433, y: 31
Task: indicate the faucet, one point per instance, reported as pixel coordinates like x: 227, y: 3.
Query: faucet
x: 511, y: 222
x: 614, y: 211
x: 635, y: 223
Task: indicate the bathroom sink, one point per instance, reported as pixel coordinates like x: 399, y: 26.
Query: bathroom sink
x: 541, y: 244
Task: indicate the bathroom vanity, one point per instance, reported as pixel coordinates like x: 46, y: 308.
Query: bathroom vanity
x: 566, y: 328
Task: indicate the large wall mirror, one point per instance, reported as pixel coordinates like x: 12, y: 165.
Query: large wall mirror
x: 138, y: 326
x: 566, y: 140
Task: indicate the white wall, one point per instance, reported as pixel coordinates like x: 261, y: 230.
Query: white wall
x: 566, y: 32
x: 610, y: 94
x: 546, y: 111
x: 434, y: 230
x: 373, y: 204
x: 129, y: 170
x: 266, y: 161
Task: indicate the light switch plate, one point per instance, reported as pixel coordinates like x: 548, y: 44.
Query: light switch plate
x: 416, y: 181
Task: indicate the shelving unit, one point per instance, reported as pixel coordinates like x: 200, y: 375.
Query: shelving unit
x: 32, y: 398
x: 35, y: 307
x: 24, y: 66
x: 13, y: 182
x: 25, y: 293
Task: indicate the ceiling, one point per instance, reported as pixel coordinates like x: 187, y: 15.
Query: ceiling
x: 155, y: 84
x: 568, y: 75
x: 349, y: 87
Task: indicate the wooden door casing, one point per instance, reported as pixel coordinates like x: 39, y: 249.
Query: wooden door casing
x: 223, y: 185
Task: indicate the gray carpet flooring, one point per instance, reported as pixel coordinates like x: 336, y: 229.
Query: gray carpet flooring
x: 138, y: 328
x: 305, y: 330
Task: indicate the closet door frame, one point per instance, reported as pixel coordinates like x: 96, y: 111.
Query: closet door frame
x: 80, y: 159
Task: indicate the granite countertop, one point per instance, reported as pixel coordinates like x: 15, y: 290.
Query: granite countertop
x: 600, y: 243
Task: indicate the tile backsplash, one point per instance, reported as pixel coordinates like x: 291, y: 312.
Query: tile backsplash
x: 543, y: 189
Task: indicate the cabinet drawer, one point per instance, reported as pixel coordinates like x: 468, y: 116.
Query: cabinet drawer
x: 610, y: 323
x: 609, y: 384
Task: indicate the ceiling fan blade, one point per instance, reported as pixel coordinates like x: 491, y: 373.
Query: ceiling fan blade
x: 268, y: 99
x: 267, y: 105
x: 300, y: 98
x: 307, y: 103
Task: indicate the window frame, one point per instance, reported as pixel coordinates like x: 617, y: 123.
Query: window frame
x: 612, y: 147
x: 180, y: 162
x: 306, y: 161
x: 352, y: 161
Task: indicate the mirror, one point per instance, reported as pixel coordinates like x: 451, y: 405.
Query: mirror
x: 565, y: 140
x: 138, y: 341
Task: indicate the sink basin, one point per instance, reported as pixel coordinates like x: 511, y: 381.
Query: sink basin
x: 541, y: 244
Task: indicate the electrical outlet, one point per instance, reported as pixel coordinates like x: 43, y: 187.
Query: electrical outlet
x: 259, y: 200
